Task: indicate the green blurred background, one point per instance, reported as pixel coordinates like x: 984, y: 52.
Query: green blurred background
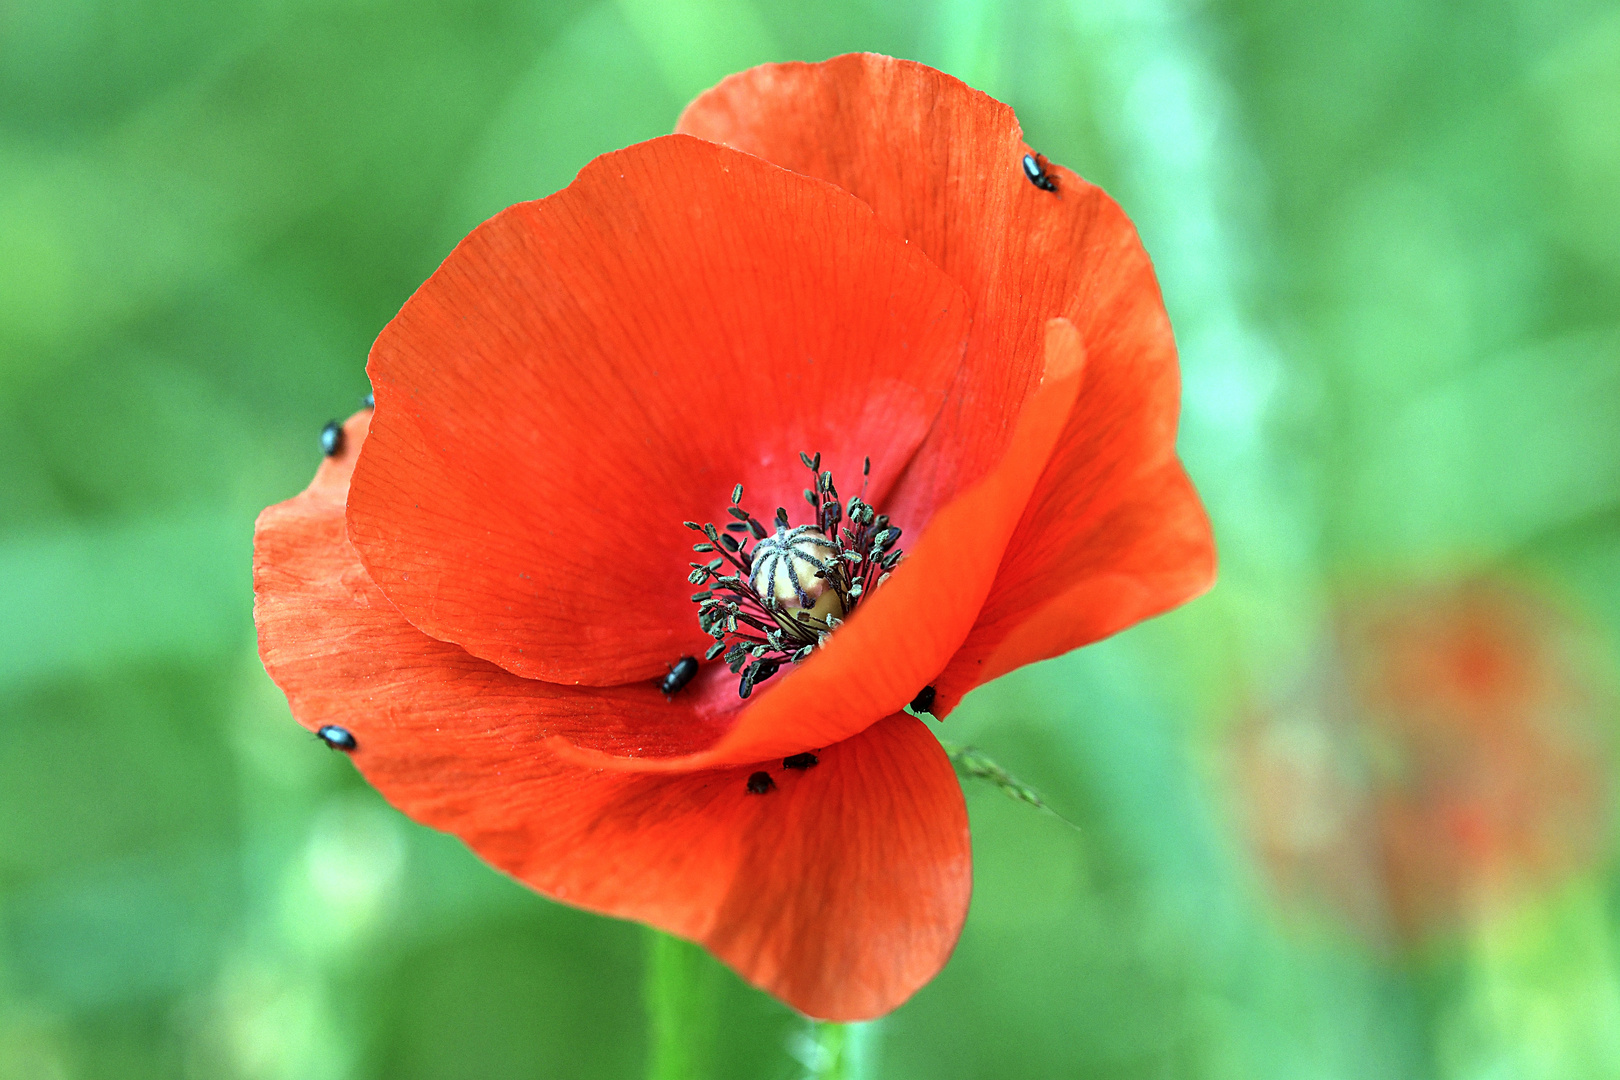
x: 1389, y: 236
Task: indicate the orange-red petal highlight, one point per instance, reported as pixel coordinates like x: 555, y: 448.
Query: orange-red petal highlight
x: 586, y: 372
x: 939, y: 163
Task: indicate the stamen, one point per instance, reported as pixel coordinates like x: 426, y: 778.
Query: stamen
x: 796, y: 585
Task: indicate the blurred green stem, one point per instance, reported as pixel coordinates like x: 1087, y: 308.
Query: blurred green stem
x: 838, y: 1051
x: 681, y: 990
x: 681, y: 985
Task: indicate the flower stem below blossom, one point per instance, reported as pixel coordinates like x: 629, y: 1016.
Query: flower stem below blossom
x: 838, y: 1051
x: 681, y: 987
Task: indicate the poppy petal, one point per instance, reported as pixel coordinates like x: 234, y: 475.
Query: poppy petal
x: 919, y: 618
x: 942, y: 164
x: 585, y: 372
x: 320, y: 651
x: 841, y: 888
x: 1108, y: 567
x: 1114, y: 532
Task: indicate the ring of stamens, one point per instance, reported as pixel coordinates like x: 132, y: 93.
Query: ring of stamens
x: 778, y: 601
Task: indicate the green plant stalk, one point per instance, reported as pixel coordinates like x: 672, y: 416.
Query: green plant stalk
x: 681, y: 988
x: 838, y: 1051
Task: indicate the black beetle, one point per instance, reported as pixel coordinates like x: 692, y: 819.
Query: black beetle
x: 924, y: 701
x: 332, y: 438
x: 800, y: 761
x: 337, y: 738
x: 760, y: 783
x: 1035, y: 169
x: 681, y: 672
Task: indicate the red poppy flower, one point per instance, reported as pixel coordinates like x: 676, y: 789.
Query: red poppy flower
x: 844, y: 259
x: 1445, y: 765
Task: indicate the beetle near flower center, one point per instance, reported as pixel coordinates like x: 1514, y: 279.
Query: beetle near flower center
x: 779, y: 599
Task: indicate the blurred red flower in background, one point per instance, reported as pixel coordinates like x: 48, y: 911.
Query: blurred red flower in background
x: 485, y: 585
x: 1449, y: 759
